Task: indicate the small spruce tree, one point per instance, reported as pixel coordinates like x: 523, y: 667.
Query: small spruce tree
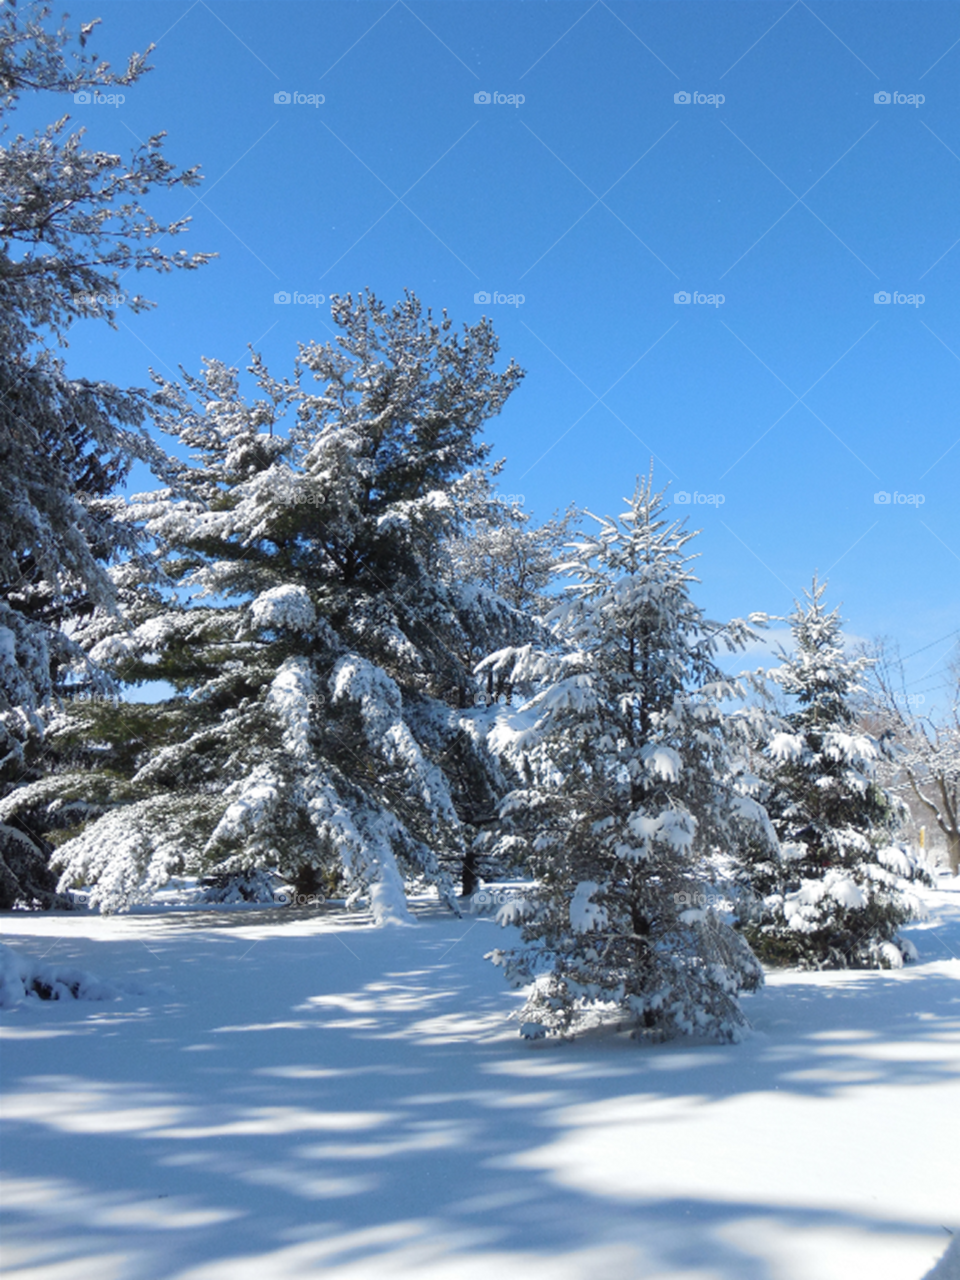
x: 629, y: 792
x: 838, y: 891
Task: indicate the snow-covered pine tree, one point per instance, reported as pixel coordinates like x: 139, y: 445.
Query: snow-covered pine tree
x: 838, y: 892
x: 626, y: 753
x: 71, y: 223
x: 324, y: 723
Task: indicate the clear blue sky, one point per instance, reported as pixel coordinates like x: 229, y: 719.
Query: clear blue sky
x: 598, y: 198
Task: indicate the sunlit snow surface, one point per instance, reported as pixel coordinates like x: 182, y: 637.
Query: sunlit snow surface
x: 303, y: 1094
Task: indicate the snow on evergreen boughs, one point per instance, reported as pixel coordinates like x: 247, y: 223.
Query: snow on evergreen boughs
x: 505, y: 553
x: 71, y: 225
x: 324, y: 723
x: 626, y: 756
x: 256, y: 886
x: 130, y: 852
x: 288, y: 607
x: 839, y: 890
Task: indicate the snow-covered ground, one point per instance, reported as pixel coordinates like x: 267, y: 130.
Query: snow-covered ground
x: 278, y: 1093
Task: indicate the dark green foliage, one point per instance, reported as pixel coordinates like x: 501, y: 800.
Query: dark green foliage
x: 837, y: 894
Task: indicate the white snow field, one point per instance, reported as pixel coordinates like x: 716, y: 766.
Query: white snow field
x: 277, y: 1094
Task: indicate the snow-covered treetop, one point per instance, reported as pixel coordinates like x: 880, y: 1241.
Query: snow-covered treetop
x: 70, y: 219
x: 630, y: 700
x: 818, y: 673
x: 629, y: 590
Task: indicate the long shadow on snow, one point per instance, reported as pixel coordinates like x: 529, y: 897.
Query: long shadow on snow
x: 331, y: 1098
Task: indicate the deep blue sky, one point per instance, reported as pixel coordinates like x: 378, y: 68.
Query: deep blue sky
x: 599, y: 198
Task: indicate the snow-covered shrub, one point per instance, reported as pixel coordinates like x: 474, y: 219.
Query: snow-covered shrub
x: 22, y: 979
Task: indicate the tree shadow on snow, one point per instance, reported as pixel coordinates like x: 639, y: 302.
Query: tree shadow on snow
x: 311, y: 1102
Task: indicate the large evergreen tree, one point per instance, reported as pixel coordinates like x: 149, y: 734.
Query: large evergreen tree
x: 837, y: 893
x: 629, y: 793
x: 324, y: 722
x: 71, y: 224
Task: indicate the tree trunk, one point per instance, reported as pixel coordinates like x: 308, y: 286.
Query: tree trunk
x: 953, y: 853
x: 470, y: 878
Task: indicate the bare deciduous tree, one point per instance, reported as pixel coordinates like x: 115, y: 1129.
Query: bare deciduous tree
x: 925, y: 749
